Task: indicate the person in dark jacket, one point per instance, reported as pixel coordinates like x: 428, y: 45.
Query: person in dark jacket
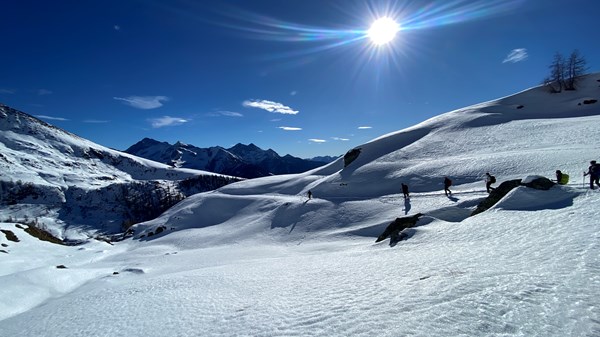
x: 558, y: 176
x: 489, y: 180
x: 405, y: 191
x: 594, y: 173
x: 447, y: 184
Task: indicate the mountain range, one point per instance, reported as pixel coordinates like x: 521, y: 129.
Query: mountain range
x: 246, y: 161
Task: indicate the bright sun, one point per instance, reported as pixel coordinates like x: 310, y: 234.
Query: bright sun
x: 383, y: 30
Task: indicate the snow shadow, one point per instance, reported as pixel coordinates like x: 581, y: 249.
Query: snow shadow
x: 407, y: 206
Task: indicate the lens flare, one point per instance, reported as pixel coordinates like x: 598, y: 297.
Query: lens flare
x: 383, y: 31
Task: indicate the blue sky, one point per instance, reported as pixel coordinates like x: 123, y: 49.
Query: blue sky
x: 297, y: 76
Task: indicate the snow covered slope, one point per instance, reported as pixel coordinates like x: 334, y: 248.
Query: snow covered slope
x: 256, y: 258
x: 531, y: 133
x: 63, y: 180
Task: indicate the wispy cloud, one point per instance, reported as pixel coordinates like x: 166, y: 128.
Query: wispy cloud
x: 51, y: 118
x: 516, y: 55
x: 95, y: 121
x: 224, y: 113
x: 270, y: 106
x: 365, y: 127
x: 42, y: 92
x: 117, y: 27
x: 294, y: 93
x: 7, y: 91
x: 289, y: 128
x: 315, y: 140
x: 143, y: 102
x: 340, y: 139
x: 167, y: 121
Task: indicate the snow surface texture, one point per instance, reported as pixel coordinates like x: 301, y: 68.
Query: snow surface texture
x: 256, y: 258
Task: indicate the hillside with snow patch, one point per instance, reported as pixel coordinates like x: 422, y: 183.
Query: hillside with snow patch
x: 72, y: 186
x: 256, y: 258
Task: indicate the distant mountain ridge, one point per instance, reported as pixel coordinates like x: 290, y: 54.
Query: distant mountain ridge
x: 247, y: 161
x: 54, y: 177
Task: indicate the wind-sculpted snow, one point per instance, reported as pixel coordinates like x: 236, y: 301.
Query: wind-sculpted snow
x: 501, y: 273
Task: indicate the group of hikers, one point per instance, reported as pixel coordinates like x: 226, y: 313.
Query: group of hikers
x: 561, y: 178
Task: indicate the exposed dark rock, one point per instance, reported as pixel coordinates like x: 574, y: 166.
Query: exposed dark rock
x: 393, y: 230
x: 590, y: 101
x: 61, y: 266
x: 160, y: 229
x: 3, y: 251
x: 4, y: 245
x: 520, y: 107
x: 42, y: 235
x: 10, y: 236
x: 540, y: 183
x: 496, y: 194
x: 351, y: 156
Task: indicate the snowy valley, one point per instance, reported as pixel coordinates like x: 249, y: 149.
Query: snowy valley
x: 258, y: 258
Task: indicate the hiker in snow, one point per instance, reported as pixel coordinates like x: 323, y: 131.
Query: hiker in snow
x: 562, y: 178
x: 405, y: 191
x: 309, y: 195
x: 489, y: 180
x: 447, y: 184
x: 594, y: 173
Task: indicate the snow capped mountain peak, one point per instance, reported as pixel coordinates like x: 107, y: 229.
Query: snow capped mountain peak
x: 248, y: 161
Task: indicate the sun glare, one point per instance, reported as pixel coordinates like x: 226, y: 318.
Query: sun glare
x: 383, y: 31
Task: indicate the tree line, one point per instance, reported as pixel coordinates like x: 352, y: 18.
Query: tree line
x: 564, y: 72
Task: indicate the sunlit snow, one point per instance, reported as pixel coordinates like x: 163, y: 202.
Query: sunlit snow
x: 257, y: 258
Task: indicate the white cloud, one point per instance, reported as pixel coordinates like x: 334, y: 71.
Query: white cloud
x: 225, y: 113
x: 144, y: 102
x: 167, y: 121
x: 7, y: 91
x: 294, y: 93
x: 95, y: 121
x: 270, y: 106
x: 314, y: 140
x: 516, y: 55
x: 42, y: 92
x: 289, y: 128
x: 51, y: 118
x: 364, y: 127
x: 340, y: 139
x: 117, y: 27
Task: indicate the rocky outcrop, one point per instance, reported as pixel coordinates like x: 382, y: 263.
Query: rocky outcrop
x: 393, y: 230
x: 351, y: 156
x: 538, y: 183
